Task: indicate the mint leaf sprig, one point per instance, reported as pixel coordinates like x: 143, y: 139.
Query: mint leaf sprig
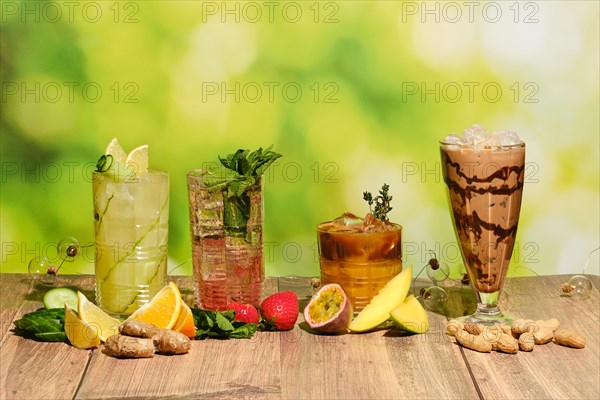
x: 248, y: 163
x: 220, y: 325
x: 382, y: 203
x: 237, y: 173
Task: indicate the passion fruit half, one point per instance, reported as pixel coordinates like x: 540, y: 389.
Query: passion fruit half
x: 329, y: 310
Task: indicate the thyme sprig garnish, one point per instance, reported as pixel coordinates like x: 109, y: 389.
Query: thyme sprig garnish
x: 382, y: 203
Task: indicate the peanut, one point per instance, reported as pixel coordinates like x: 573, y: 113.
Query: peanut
x: 569, y: 338
x: 543, y: 335
x: 504, y: 328
x: 473, y: 342
x: 492, y: 333
x: 526, y: 341
x: 473, y: 328
x: 552, y: 324
x: 500, y: 341
x: 453, y: 326
x: 522, y: 325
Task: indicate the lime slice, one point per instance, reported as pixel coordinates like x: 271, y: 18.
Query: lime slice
x: 115, y: 150
x: 137, y: 160
x: 80, y: 334
x: 92, y: 315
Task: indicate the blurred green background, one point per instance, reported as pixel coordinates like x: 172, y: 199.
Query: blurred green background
x: 353, y: 93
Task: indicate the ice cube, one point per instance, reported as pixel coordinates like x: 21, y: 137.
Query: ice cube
x: 508, y: 138
x: 346, y: 221
x: 473, y: 135
x: 476, y: 136
x: 492, y: 139
x: 453, y: 138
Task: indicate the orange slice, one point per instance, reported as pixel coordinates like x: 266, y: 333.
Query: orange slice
x: 185, y: 322
x: 163, y: 310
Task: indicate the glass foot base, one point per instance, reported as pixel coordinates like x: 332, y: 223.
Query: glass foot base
x: 488, y: 319
x: 488, y: 312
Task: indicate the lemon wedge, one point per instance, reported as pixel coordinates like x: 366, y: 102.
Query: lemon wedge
x: 80, y: 334
x: 91, y: 314
x: 115, y: 150
x: 137, y: 160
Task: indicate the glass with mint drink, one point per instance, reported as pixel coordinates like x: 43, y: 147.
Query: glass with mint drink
x: 226, y: 223
x: 131, y: 215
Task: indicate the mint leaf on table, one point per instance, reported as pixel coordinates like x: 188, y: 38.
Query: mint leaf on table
x: 243, y: 331
x: 223, y: 323
x: 220, y: 325
x: 46, y: 325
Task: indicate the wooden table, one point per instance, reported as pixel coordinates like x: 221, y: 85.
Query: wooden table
x: 300, y: 365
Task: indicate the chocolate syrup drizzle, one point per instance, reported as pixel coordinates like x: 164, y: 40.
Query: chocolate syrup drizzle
x: 502, y: 174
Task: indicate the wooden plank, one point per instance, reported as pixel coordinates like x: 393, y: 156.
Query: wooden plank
x: 550, y: 371
x: 300, y: 364
x: 377, y: 365
x: 13, y: 290
x: 33, y: 369
x: 212, y: 369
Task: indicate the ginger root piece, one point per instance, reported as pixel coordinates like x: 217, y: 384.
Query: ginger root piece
x: 138, y: 334
x: 138, y: 329
x: 129, y: 347
x: 171, y: 342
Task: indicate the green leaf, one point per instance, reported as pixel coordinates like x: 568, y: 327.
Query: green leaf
x: 234, y: 176
x: 223, y: 323
x: 244, y: 331
x: 220, y: 325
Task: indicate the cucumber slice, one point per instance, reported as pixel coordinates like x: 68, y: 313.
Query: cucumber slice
x: 58, y: 297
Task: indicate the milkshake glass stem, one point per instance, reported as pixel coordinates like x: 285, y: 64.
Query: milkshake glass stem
x: 487, y: 310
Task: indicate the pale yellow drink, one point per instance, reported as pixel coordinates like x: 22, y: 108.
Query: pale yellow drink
x: 131, y: 218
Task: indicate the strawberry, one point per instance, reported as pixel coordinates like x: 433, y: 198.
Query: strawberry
x: 280, y: 310
x: 244, y: 312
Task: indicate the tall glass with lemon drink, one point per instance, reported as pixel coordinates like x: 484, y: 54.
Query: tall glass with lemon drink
x: 131, y: 214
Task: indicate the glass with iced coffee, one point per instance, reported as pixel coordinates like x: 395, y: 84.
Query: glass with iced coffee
x: 484, y: 174
x: 360, y: 254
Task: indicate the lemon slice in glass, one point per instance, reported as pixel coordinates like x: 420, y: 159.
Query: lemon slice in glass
x: 115, y: 150
x: 137, y: 160
x: 80, y: 334
x: 91, y: 314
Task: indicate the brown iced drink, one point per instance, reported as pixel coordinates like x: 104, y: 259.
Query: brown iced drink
x: 485, y: 185
x: 360, y: 254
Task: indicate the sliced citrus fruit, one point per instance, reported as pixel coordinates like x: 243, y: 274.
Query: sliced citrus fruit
x: 185, y: 322
x: 80, y: 334
x: 163, y: 310
x: 91, y: 314
x: 137, y: 160
x: 115, y: 150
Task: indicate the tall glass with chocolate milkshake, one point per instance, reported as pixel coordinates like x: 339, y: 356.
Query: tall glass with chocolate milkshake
x: 484, y: 173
